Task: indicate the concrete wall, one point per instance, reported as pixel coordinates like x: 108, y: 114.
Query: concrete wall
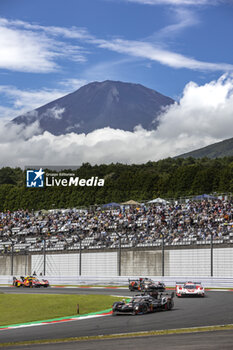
x: 177, y: 262
x: 21, y: 265
x: 143, y: 262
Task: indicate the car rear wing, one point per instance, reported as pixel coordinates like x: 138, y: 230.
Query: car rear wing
x: 163, y: 294
x: 182, y: 283
x: 134, y: 280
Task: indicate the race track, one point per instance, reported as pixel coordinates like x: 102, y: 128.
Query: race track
x: 215, y: 309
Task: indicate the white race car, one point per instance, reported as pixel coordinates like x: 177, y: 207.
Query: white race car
x: 189, y: 289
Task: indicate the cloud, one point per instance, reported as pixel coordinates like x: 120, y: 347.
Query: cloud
x: 33, y: 48
x: 53, y: 113
x: 184, y: 19
x: 22, y: 101
x: 202, y: 116
x: 175, y: 2
x: 154, y: 52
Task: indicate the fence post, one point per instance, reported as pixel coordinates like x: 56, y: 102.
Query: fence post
x: 162, y: 254
x: 44, y: 256
x: 211, y: 255
x: 80, y: 257
x: 12, y: 258
x: 119, y: 254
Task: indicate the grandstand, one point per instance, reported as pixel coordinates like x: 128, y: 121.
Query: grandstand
x: 195, y: 222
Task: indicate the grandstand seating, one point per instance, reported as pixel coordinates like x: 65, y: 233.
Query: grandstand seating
x: 187, y: 224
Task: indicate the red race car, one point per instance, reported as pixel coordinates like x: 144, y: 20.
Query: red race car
x: 30, y: 282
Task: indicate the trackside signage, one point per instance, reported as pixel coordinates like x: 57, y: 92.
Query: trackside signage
x: 38, y: 178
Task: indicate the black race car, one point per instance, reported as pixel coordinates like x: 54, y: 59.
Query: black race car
x: 142, y: 304
x: 144, y: 284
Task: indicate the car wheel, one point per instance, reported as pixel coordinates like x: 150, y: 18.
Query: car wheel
x: 144, y: 309
x: 170, y: 305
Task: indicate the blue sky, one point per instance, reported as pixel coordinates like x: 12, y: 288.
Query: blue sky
x: 50, y: 48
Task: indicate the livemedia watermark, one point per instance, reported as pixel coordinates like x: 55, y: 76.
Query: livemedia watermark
x: 44, y: 176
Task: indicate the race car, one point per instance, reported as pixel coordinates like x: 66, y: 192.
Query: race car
x: 142, y: 304
x: 189, y: 289
x: 30, y: 281
x: 143, y: 284
x: 44, y: 283
x: 18, y: 282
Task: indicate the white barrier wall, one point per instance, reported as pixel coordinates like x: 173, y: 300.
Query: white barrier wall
x: 189, y: 262
x: 223, y: 262
x: 99, y: 264
x: 177, y: 262
x: 211, y: 282
x: 68, y: 264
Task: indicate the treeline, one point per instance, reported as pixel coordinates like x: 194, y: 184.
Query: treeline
x: 168, y: 178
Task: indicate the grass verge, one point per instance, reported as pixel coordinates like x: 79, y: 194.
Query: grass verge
x: 22, y: 308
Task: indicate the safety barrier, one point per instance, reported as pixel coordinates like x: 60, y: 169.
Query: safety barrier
x: 208, y: 282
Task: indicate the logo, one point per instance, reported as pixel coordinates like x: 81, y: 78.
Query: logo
x: 35, y: 178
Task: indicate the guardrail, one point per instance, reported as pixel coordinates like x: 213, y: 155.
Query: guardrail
x: 208, y: 282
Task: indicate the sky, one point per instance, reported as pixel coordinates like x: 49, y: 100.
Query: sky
x: 181, y: 48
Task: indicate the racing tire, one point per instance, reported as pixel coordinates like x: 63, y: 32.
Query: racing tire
x: 170, y: 305
x: 144, y: 309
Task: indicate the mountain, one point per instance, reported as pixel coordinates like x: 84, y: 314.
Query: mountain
x: 97, y: 105
x: 216, y: 150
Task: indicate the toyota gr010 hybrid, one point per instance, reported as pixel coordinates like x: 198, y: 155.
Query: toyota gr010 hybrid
x: 144, y: 284
x: 143, y: 304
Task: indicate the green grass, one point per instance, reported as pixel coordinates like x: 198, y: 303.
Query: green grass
x: 21, y: 308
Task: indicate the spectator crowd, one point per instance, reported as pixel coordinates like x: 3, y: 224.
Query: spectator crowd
x: 193, y: 222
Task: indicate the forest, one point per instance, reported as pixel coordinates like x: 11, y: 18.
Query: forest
x: 167, y: 178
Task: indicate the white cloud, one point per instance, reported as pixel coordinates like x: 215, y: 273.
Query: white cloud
x: 73, y: 83
x: 53, y: 113
x: 33, y: 48
x: 202, y: 116
x: 22, y: 101
x: 175, y: 2
x: 184, y: 18
x: 154, y: 52
x: 25, y: 51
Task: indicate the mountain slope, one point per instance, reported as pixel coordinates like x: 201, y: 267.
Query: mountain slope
x: 97, y: 105
x: 216, y: 150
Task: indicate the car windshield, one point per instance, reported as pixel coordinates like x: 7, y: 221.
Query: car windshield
x: 190, y: 286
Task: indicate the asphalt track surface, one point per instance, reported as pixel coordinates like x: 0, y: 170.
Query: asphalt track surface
x: 209, y: 341
x: 215, y: 309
